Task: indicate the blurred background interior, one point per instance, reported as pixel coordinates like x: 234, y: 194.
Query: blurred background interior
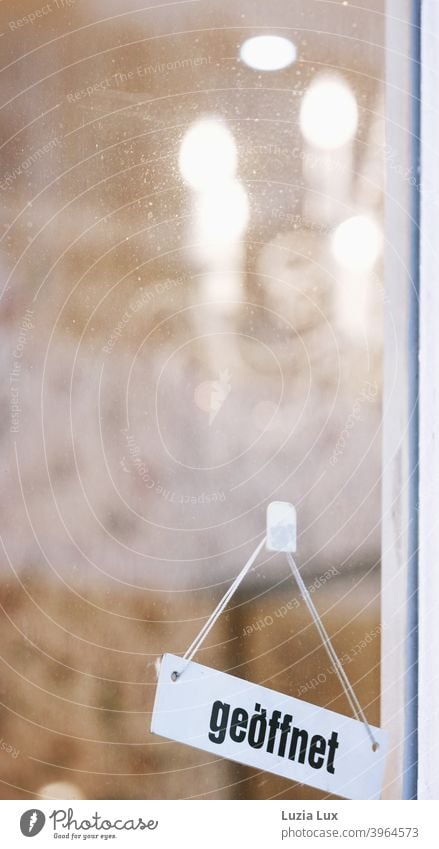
x: 191, y: 316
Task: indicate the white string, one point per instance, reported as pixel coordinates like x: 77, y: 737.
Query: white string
x: 324, y: 636
x: 199, y: 639
x: 343, y: 678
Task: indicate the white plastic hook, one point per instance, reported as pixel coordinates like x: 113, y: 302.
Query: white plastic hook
x: 281, y: 526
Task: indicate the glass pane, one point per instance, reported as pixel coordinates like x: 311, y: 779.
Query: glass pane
x: 192, y: 235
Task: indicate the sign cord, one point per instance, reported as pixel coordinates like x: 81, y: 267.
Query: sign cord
x: 199, y: 639
x: 324, y: 636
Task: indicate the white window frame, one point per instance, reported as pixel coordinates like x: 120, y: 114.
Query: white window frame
x: 399, y: 666
x: 410, y: 598
x: 428, y: 719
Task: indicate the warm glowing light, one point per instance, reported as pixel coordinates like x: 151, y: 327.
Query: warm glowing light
x: 268, y: 52
x: 221, y: 215
x: 329, y: 112
x: 208, y: 154
x: 357, y: 243
x: 61, y: 790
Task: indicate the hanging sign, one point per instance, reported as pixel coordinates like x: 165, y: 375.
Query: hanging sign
x: 258, y: 727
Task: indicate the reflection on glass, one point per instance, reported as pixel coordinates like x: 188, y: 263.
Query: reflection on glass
x: 268, y: 52
x: 329, y: 112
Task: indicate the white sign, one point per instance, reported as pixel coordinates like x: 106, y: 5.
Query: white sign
x: 258, y: 727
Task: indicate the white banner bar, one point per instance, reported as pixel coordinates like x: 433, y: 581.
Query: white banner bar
x: 216, y: 824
